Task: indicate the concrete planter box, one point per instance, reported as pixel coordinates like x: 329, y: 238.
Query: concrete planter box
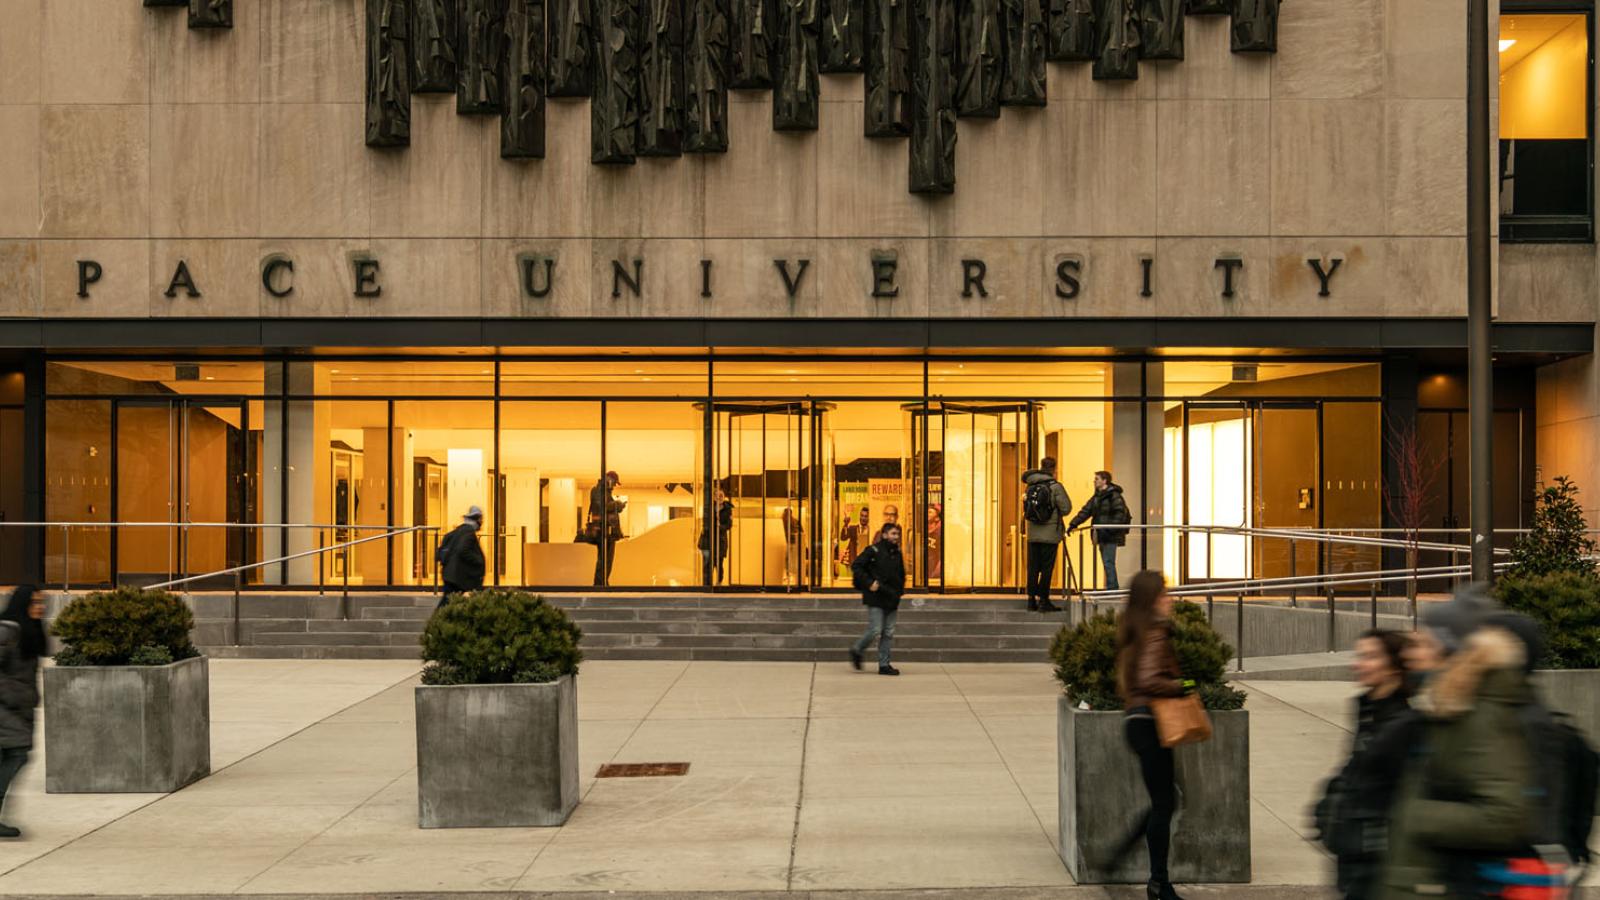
x: 497, y: 755
x: 1575, y: 692
x: 126, y: 729
x: 1103, y: 798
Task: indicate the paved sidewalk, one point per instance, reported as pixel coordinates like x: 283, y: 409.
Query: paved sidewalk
x: 805, y: 779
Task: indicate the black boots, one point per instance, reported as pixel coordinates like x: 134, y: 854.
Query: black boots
x: 6, y: 831
x: 855, y: 659
x: 1161, y: 890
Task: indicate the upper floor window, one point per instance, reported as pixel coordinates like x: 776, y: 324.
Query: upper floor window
x: 1546, y: 121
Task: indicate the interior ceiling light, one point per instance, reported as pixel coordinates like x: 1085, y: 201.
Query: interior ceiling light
x: 1505, y: 44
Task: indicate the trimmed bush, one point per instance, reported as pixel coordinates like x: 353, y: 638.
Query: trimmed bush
x: 1567, y: 607
x: 125, y: 627
x: 1557, y: 540
x: 499, y: 637
x: 1085, y: 657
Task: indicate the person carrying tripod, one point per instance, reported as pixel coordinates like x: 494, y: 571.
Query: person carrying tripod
x: 1045, y: 505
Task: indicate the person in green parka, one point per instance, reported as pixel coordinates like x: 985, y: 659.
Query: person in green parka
x: 1465, y: 793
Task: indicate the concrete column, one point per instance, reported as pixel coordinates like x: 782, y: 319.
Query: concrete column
x: 306, y: 470
x: 1136, y: 465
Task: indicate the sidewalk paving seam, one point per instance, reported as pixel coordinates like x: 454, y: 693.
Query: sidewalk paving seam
x: 1049, y: 837
x: 143, y: 806
x: 331, y: 825
x: 562, y: 829
x: 800, y: 795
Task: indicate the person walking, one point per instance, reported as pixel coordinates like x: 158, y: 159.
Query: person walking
x: 1045, y: 505
x: 1147, y: 668
x: 22, y: 642
x: 1352, y: 817
x: 880, y: 574
x: 1105, y: 508
x: 461, y: 563
x: 605, y: 525
x: 1466, y: 794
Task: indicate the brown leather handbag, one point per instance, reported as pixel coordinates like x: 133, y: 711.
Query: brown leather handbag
x: 1180, y: 720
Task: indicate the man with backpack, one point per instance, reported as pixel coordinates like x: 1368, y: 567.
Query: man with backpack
x: 1045, y: 506
x: 461, y: 562
x: 1105, y: 508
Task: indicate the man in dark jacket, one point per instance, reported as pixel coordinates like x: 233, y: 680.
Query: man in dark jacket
x: 460, y: 558
x: 604, y: 528
x: 1044, y: 537
x: 1105, y: 508
x: 880, y: 573
x: 22, y: 642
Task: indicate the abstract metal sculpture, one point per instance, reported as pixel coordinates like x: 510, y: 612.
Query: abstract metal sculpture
x: 158, y: 3
x: 1161, y: 29
x: 433, y: 46
x: 1072, y: 32
x: 1255, y: 26
x: 522, y: 126
x: 978, y: 49
x: 1117, y: 50
x: 210, y: 13
x: 614, y: 109
x: 752, y: 44
x: 844, y: 36
x: 481, y: 64
x: 661, y: 81
x: 796, y: 91
x: 933, y: 114
x: 571, y: 54
x: 1022, y: 79
x: 706, y: 60
x: 888, y: 82
x: 388, y: 74
x: 1210, y: 7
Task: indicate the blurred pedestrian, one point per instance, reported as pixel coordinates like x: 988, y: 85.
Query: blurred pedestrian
x: 461, y: 562
x: 1352, y: 817
x: 880, y: 574
x: 22, y: 642
x: 1147, y: 669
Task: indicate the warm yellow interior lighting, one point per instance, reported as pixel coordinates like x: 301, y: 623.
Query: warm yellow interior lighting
x: 1544, y: 77
x: 1507, y: 44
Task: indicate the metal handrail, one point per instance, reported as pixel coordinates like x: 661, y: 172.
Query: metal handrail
x: 293, y: 556
x: 187, y: 525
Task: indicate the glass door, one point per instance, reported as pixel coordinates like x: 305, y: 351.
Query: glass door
x: 1215, y: 477
x: 765, y: 456
x: 1287, y: 487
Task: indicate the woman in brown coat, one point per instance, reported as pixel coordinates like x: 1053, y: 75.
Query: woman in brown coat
x: 1147, y: 668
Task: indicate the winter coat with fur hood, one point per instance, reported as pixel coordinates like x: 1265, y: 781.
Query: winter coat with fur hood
x: 1464, y: 793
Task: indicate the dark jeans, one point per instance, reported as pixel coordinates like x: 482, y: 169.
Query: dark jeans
x: 880, y: 627
x: 11, y: 761
x: 1041, y: 566
x: 1155, y: 765
x: 445, y: 590
x: 605, y: 558
x: 1108, y: 558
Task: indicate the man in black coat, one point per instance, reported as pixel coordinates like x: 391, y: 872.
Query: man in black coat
x: 880, y: 573
x: 1105, y: 508
x: 461, y: 563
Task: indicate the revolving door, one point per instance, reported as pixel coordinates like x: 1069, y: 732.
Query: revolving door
x: 967, y: 459
x: 769, y: 504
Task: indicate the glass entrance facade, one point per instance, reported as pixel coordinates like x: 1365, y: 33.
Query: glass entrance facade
x: 757, y: 472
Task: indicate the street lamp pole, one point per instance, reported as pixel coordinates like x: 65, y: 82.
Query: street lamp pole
x: 1480, y: 359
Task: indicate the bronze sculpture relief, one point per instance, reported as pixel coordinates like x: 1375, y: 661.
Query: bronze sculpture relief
x: 1024, y: 32
x: 210, y: 13
x: 1209, y: 7
x: 614, y: 108
x: 933, y: 80
x: 1117, y: 52
x: 1161, y: 29
x: 433, y: 46
x: 1255, y: 26
x: 888, y: 81
x: 706, y: 60
x: 796, y: 91
x: 752, y: 44
x: 844, y: 36
x: 388, y: 74
x: 1072, y: 32
x: 482, y: 48
x: 978, y: 49
x: 571, y: 54
x: 661, y: 80
x: 522, y: 125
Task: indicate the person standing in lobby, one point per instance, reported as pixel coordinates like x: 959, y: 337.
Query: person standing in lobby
x: 1045, y: 506
x: 605, y: 525
x: 1105, y: 508
x: 880, y: 573
x: 22, y: 642
x: 461, y: 563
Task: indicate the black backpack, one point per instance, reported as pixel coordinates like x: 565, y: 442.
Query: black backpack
x: 1038, y: 506
x: 1566, y: 778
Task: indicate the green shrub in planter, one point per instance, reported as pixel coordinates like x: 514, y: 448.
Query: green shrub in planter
x: 1557, y: 540
x: 499, y: 637
x: 1085, y: 657
x: 1567, y: 607
x: 125, y: 627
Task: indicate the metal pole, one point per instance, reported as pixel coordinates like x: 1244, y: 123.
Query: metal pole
x: 66, y: 559
x: 1333, y: 623
x: 1374, y: 605
x: 237, y: 576
x: 1480, y: 359
x: 1238, y: 631
x: 1294, y: 600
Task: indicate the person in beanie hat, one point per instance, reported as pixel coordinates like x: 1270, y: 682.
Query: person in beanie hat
x: 460, y: 558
